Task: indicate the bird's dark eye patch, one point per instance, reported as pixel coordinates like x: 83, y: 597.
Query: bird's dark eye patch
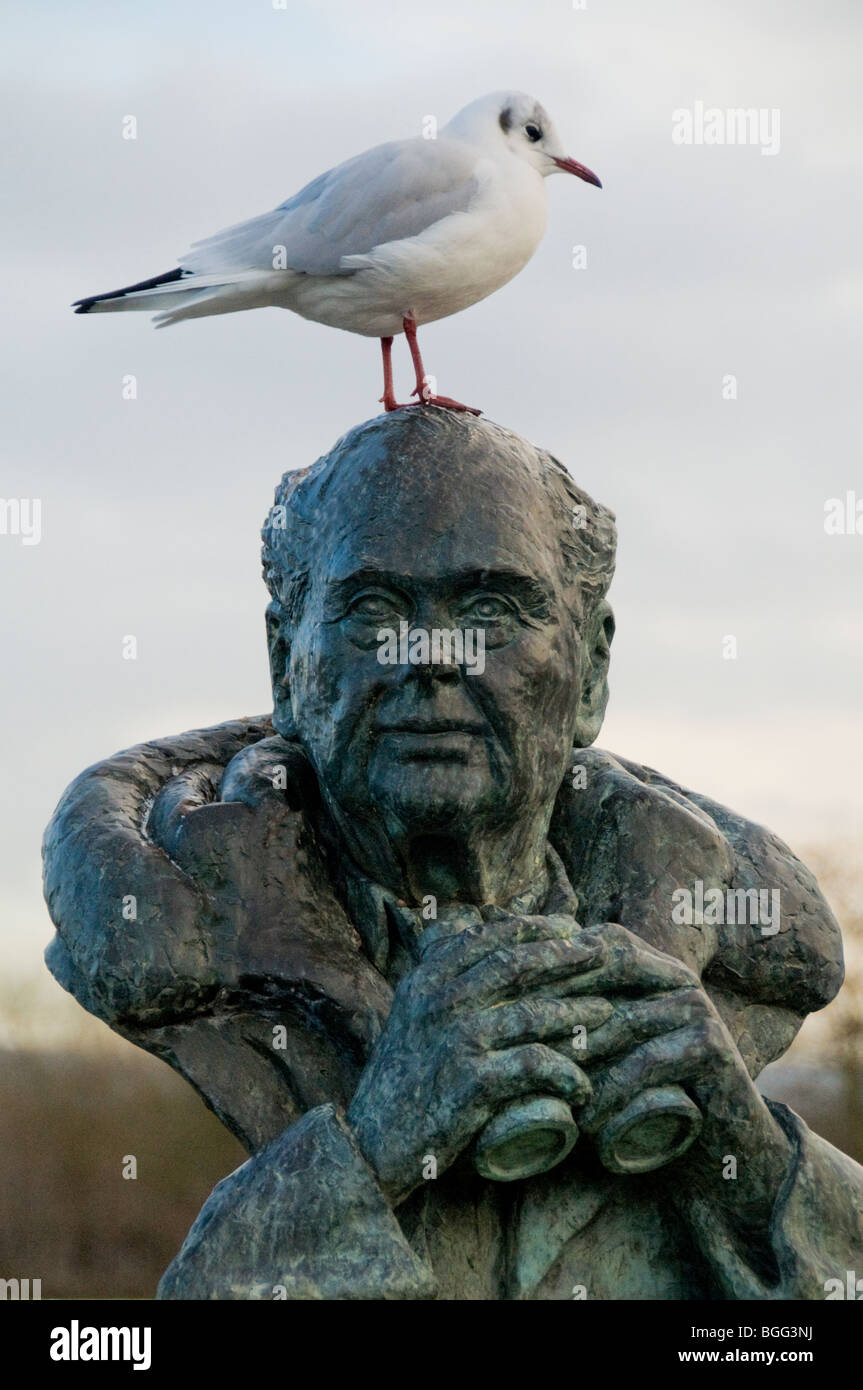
x: 533, y: 132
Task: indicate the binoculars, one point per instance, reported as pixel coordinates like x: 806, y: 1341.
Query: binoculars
x: 531, y: 1136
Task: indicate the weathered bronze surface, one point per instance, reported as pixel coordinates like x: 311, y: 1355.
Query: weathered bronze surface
x: 418, y: 909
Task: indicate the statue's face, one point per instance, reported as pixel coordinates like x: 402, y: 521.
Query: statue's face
x: 426, y: 748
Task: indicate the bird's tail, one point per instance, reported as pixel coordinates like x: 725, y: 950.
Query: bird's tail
x: 183, y: 293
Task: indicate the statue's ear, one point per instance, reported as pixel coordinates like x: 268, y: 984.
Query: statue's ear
x: 278, y: 643
x: 594, y: 686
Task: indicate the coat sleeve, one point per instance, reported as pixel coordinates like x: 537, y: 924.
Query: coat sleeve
x: 631, y: 839
x: 303, y: 1219
x: 128, y: 919
x: 194, y: 918
x: 816, y: 1232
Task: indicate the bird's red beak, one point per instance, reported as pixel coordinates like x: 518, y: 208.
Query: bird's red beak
x: 572, y: 166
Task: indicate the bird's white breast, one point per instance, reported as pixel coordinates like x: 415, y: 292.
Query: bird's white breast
x: 452, y: 264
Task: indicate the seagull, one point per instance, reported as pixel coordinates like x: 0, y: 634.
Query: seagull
x: 404, y: 234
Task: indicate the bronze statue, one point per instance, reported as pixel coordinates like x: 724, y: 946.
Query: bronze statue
x: 484, y: 1003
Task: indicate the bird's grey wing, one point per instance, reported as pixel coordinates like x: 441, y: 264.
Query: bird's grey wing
x: 393, y: 191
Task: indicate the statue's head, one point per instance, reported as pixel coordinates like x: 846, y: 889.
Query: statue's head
x: 424, y: 522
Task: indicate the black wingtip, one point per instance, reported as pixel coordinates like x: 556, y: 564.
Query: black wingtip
x: 83, y: 306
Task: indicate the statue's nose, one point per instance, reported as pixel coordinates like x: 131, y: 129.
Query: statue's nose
x: 440, y: 666
x: 447, y: 672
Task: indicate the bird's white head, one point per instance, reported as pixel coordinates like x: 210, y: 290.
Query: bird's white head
x: 518, y: 123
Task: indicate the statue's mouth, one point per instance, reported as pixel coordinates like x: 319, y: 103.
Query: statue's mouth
x: 418, y: 725
x: 429, y: 740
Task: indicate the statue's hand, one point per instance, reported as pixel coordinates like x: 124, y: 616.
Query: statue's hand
x: 664, y: 1029
x: 472, y: 1027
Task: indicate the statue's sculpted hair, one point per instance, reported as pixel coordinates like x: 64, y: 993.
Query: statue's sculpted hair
x: 586, y: 529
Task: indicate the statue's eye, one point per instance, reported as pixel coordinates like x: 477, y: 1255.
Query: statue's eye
x: 372, y: 606
x: 488, y: 608
x: 533, y: 132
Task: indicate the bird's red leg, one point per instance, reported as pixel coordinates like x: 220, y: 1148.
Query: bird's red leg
x: 388, y: 399
x: 422, y: 389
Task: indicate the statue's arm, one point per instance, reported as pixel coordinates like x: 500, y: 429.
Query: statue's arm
x: 765, y: 984
x: 772, y: 1207
x: 815, y: 1233
x: 304, y: 1219
x: 172, y: 908
x: 128, y: 918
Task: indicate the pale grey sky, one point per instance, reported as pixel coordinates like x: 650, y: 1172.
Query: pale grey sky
x: 702, y: 261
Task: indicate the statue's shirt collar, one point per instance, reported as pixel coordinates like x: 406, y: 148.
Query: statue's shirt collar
x: 393, y: 932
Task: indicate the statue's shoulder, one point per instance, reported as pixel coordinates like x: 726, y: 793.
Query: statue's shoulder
x: 633, y: 840
x: 180, y: 875
x: 196, y: 917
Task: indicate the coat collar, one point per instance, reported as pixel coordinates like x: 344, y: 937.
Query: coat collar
x: 392, y: 931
